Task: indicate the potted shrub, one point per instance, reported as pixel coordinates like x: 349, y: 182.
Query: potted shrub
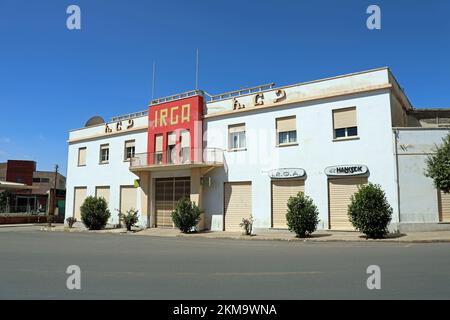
x: 302, y: 215
x: 94, y: 213
x: 186, y: 215
x: 130, y: 219
x: 369, y: 212
x: 71, y: 221
x: 246, y: 226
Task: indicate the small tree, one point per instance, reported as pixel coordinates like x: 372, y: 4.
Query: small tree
x: 94, y: 213
x: 186, y: 215
x: 6, y: 198
x: 302, y: 216
x: 130, y: 219
x: 369, y: 212
x: 438, y: 165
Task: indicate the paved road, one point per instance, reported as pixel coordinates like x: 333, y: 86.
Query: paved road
x: 33, y: 265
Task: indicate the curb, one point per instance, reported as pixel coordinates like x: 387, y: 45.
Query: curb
x: 256, y: 238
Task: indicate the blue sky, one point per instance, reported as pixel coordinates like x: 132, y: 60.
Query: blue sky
x: 53, y: 79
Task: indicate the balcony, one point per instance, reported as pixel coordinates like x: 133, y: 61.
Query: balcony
x: 181, y: 158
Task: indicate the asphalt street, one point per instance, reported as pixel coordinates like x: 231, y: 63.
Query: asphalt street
x: 33, y: 265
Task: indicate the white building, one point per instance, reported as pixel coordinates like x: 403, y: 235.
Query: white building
x: 245, y: 152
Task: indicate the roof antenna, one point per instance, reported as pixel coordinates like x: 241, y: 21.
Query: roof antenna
x: 153, y: 81
x: 196, y: 71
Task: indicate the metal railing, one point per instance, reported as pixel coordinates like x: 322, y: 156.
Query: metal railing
x: 237, y: 93
x: 178, y: 156
x: 176, y: 97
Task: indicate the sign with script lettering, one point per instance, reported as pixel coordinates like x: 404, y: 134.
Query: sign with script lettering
x: 346, y: 170
x: 287, y: 173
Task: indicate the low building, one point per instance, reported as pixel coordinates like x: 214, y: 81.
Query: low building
x: 244, y: 153
x: 35, y: 189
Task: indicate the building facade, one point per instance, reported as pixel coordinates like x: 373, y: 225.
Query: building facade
x: 34, y: 188
x: 244, y: 153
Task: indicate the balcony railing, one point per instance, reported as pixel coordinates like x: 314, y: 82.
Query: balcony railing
x: 178, y: 157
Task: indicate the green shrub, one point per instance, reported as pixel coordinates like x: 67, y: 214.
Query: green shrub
x: 369, y: 211
x: 302, y: 216
x: 186, y: 215
x: 94, y: 213
x: 130, y: 219
x: 438, y: 166
x: 71, y: 221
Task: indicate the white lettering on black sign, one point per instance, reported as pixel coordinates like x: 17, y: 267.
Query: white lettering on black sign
x: 346, y: 170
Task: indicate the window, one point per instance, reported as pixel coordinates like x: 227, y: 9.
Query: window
x: 129, y: 150
x: 104, y: 153
x: 286, y: 130
x: 236, y: 137
x: 344, y: 123
x: 171, y: 140
x: 158, y: 149
x: 41, y: 180
x: 81, y: 156
x: 185, y: 145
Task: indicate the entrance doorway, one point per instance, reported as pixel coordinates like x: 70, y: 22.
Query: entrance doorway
x: 168, y: 191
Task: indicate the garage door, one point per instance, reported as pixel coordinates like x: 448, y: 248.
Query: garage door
x: 127, y: 198
x: 339, y: 193
x: 102, y: 192
x: 444, y: 206
x: 238, y: 204
x: 167, y: 193
x: 78, y: 199
x: 282, y: 190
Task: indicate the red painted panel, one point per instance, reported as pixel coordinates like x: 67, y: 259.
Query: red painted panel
x: 176, y: 116
x: 20, y: 171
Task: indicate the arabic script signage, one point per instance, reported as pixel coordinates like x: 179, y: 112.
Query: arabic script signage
x: 347, y: 170
x: 287, y: 173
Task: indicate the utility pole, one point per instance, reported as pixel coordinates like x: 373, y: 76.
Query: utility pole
x: 53, y: 203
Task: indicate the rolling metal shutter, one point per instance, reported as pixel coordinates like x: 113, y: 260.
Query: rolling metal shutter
x: 79, y: 196
x: 339, y: 193
x: 344, y: 118
x: 282, y: 190
x: 444, y: 206
x: 237, y: 204
x: 82, y: 156
x: 102, y: 192
x: 127, y: 198
x: 167, y: 193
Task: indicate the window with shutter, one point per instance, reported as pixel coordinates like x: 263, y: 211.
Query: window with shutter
x: 344, y: 123
x: 286, y: 130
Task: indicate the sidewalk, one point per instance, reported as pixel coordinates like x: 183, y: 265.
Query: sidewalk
x: 319, y: 236
x: 272, y: 235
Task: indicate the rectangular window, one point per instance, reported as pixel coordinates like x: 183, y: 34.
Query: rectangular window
x: 236, y: 137
x: 158, y: 149
x: 171, y: 141
x: 185, y: 145
x: 344, y: 123
x: 286, y: 130
x: 81, y: 157
x: 41, y: 180
x: 104, y: 153
x: 129, y: 150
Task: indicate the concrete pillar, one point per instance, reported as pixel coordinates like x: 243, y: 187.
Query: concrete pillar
x: 145, y: 195
x: 196, y: 194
